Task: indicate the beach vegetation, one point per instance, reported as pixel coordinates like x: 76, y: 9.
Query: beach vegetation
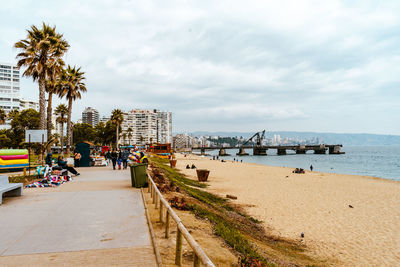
x: 243, y: 233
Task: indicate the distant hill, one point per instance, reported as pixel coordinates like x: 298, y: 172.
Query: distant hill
x: 327, y: 138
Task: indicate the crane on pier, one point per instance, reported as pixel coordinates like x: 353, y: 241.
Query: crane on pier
x: 257, y: 149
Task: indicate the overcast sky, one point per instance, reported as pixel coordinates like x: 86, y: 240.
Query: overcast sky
x: 326, y: 66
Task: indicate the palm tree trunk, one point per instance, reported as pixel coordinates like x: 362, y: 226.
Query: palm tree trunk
x: 116, y: 144
x: 42, y: 102
x: 62, y: 138
x: 69, y: 126
x: 49, y: 119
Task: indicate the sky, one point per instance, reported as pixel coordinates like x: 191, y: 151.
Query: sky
x: 323, y: 66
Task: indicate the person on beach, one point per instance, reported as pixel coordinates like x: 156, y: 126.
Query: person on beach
x: 63, y: 164
x: 114, y: 157
x: 77, y: 158
x: 311, y: 167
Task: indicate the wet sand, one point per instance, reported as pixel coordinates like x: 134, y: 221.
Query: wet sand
x: 316, y: 204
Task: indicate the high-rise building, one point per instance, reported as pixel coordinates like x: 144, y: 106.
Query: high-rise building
x: 104, y: 119
x: 146, y: 126
x: 182, y: 141
x: 9, y: 87
x: 164, y: 127
x: 26, y: 104
x: 90, y: 116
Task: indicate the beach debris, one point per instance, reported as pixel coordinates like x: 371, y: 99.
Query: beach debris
x: 179, y: 203
x: 299, y: 170
x: 249, y: 262
x: 302, y: 235
x: 350, y: 206
x: 231, y: 196
x: 287, y: 176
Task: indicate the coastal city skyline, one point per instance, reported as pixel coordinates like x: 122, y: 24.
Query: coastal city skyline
x: 323, y: 67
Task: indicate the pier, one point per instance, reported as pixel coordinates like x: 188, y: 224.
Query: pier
x: 261, y: 150
x: 281, y: 150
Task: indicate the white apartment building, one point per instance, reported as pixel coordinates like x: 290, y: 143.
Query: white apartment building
x: 104, y: 119
x: 148, y: 126
x: 182, y: 141
x: 26, y: 104
x: 9, y: 87
x: 164, y: 127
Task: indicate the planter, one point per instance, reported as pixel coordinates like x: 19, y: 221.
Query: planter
x: 172, y: 162
x: 202, y: 175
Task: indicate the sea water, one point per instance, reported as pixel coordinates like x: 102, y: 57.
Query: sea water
x: 377, y: 161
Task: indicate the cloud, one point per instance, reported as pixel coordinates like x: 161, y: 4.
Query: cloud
x: 229, y: 65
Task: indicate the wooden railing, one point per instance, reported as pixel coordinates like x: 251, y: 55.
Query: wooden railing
x: 160, y: 203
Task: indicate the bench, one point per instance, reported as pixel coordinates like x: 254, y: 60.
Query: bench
x: 9, y: 190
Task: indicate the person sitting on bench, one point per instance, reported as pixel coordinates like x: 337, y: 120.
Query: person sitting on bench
x: 63, y: 164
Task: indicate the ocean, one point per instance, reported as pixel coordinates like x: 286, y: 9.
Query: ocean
x: 376, y: 161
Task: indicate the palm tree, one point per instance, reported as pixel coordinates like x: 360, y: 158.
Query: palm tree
x: 11, y: 115
x: 52, y: 87
x: 117, y: 118
x: 130, y: 130
x: 40, y: 53
x: 3, y: 116
x: 124, y: 138
x: 56, y: 138
x: 61, y: 111
x: 71, y: 86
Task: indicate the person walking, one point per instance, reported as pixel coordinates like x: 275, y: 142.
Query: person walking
x: 124, y: 157
x: 77, y: 159
x: 119, y: 160
x: 311, y: 167
x: 114, y: 157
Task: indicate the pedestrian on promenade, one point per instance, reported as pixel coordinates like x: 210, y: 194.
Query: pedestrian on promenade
x: 63, y: 164
x: 77, y: 159
x: 114, y: 157
x: 124, y: 157
x: 119, y: 160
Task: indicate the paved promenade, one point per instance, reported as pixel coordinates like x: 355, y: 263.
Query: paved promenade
x: 97, y: 219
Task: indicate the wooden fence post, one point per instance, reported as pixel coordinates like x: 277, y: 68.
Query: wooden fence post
x: 196, y: 262
x: 161, y: 211
x: 167, y: 225
x: 178, y: 253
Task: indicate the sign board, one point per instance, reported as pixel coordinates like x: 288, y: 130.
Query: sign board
x: 36, y: 136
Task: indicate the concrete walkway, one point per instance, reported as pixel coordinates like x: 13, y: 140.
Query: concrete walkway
x: 97, y: 219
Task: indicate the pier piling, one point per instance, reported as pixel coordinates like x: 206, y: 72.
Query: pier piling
x: 281, y: 151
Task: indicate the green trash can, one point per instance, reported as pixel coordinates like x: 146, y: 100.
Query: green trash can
x: 139, y: 175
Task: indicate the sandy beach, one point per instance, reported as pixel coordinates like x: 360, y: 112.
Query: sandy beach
x: 317, y: 204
